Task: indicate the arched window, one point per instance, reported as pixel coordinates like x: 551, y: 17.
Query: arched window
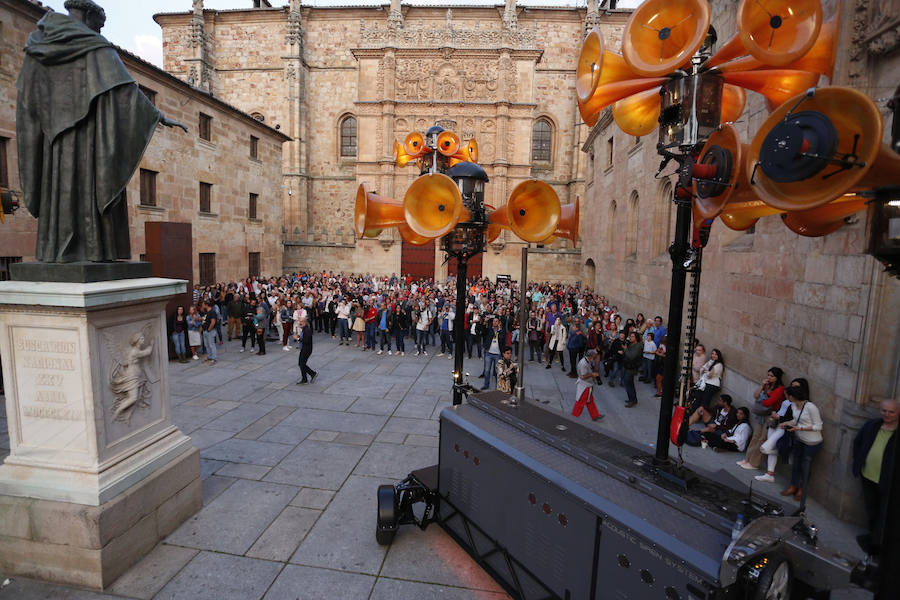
x: 590, y: 274
x: 611, y: 229
x: 631, y: 234
x: 662, y: 219
x: 348, y: 137
x: 541, y: 136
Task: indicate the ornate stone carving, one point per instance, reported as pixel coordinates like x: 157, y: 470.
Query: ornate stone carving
x: 294, y: 25
x: 376, y: 35
x: 131, y: 378
x: 470, y: 80
x: 510, y: 16
x: 884, y: 31
x: 290, y: 72
x: 192, y: 75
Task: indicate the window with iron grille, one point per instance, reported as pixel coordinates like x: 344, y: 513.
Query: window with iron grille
x: 540, y: 141
x: 205, y: 127
x: 348, y: 138
x: 251, y: 209
x: 5, y: 261
x: 253, y: 264
x: 610, y: 148
x: 151, y: 95
x: 207, y: 268
x: 148, y: 187
x: 254, y: 146
x: 205, y: 197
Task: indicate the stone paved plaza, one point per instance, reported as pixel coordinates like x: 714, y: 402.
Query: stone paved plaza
x: 290, y: 474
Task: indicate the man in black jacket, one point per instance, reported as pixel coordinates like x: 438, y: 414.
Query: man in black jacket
x: 493, y: 340
x: 306, y: 347
x: 874, y: 451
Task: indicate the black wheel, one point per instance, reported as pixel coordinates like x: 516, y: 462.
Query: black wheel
x: 386, y: 528
x: 775, y: 581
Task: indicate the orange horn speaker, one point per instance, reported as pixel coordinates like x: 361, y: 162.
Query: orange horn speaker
x: 411, y: 237
x: 606, y: 94
x: 662, y: 35
x: 825, y: 219
x: 375, y: 212
x: 733, y: 100
x: 829, y: 146
x: 447, y: 143
x: 432, y: 205
x: 468, y: 153
x: 568, y: 220
x: 493, y: 231
x: 744, y: 214
x: 638, y: 114
x: 819, y: 59
x: 401, y: 157
x: 774, y: 32
x: 415, y: 144
x: 532, y: 211
x: 777, y: 85
x: 720, y: 176
x: 590, y: 58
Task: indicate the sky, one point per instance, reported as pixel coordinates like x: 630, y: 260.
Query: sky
x: 130, y: 24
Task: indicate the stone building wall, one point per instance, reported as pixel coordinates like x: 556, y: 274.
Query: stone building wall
x: 485, y: 72
x: 820, y: 308
x: 181, y: 161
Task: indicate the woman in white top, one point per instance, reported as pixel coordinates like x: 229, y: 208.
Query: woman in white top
x: 734, y: 439
x: 343, y: 321
x: 806, y: 425
x: 710, y: 378
x: 558, y: 337
x: 775, y: 431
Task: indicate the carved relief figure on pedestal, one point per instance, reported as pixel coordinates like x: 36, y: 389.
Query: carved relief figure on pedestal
x: 130, y: 380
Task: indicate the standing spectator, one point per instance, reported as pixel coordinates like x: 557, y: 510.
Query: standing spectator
x: 370, y: 316
x: 533, y: 345
x: 659, y: 364
x: 807, y: 427
x: 698, y: 359
x: 632, y: 362
x: 306, y: 347
x: 473, y: 331
x: 234, y: 312
x: 195, y: 326
x: 575, y: 345
x: 659, y: 329
x: 331, y: 315
x: 249, y: 328
x: 343, y: 321
x: 649, y: 355
x: 873, y: 462
x: 584, y: 387
x: 209, y: 332
x: 259, y: 325
x: 617, y: 357
x: 558, y: 339
x: 446, y: 324
x: 767, y: 400
x: 400, y: 325
x: 494, y: 343
x: 287, y: 323
x: 384, y: 319
x: 359, y: 325
x: 179, y: 329
x: 424, y: 322
x: 507, y: 371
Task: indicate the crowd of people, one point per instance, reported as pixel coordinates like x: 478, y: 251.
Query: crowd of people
x: 385, y: 314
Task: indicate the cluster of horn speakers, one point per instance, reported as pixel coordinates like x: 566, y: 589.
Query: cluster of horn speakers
x: 815, y: 152
x: 434, y: 204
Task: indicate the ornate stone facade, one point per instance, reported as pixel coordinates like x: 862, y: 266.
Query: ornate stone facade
x: 491, y: 72
x: 819, y: 308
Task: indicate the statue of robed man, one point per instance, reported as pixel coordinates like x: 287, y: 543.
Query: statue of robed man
x: 82, y: 125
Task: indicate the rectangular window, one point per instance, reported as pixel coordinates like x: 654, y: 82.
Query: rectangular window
x: 4, y: 168
x: 610, y: 147
x: 205, y: 127
x: 254, y: 261
x: 151, y: 95
x: 148, y: 187
x: 207, y: 268
x: 5, y: 261
x: 143, y: 258
x: 205, y: 197
x: 254, y: 146
x: 251, y: 209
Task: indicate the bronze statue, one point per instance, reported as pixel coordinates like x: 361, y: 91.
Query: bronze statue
x: 82, y: 125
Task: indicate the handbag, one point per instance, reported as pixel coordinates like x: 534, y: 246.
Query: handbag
x: 758, y: 407
x: 786, y: 442
x: 701, y: 383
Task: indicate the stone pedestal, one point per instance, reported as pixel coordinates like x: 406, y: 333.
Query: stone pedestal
x: 97, y: 472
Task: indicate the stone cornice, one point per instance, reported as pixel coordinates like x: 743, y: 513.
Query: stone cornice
x: 448, y: 52
x: 602, y: 123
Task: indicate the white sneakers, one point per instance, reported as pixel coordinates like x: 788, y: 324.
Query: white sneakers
x: 242, y: 349
x: 196, y: 357
x: 765, y: 477
x: 380, y: 352
x: 441, y: 354
x: 389, y: 352
x: 417, y: 352
x: 286, y: 348
x: 745, y: 465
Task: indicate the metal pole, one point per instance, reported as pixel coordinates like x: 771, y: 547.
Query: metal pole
x: 523, y: 313
x: 678, y: 252
x: 459, y: 325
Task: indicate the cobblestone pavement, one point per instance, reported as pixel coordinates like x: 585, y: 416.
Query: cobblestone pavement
x: 290, y: 474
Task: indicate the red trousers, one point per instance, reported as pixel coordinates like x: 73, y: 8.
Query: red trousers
x: 587, y: 399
